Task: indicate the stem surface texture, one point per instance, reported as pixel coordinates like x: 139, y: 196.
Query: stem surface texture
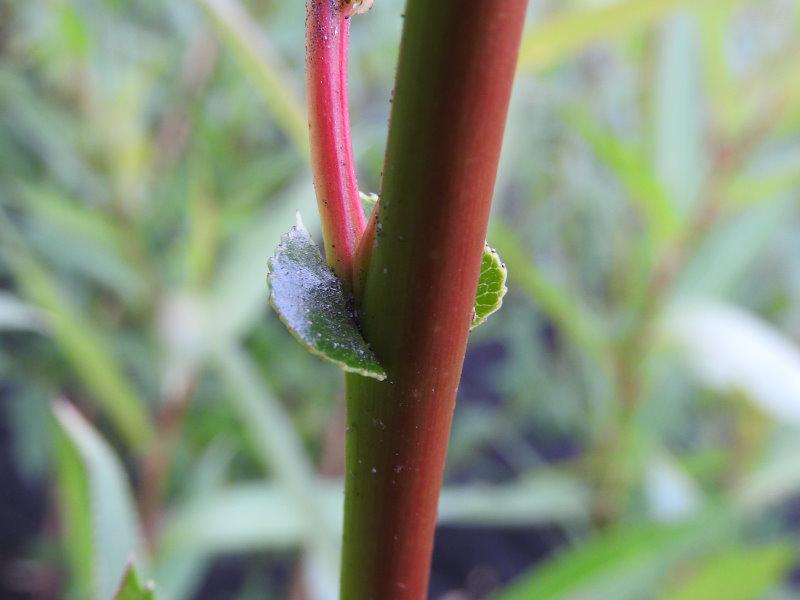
x: 457, y: 63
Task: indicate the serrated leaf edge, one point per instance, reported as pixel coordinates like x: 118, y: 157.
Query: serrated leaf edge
x: 495, y: 257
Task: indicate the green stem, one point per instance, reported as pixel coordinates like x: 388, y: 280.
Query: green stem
x: 456, y: 68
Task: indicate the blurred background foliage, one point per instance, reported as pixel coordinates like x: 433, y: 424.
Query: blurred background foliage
x: 627, y: 425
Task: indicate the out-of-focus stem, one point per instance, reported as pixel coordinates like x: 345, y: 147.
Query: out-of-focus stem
x: 343, y: 221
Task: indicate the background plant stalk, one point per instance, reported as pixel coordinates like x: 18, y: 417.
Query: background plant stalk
x: 454, y: 80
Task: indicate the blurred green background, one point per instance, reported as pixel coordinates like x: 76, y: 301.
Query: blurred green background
x: 627, y: 424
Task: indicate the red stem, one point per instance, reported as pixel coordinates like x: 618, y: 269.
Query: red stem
x: 457, y: 64
x: 343, y: 221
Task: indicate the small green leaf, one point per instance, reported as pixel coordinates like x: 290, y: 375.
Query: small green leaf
x: 310, y: 301
x: 368, y: 202
x: 491, y: 286
x: 133, y: 589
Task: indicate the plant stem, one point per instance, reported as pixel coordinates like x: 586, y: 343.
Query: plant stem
x: 456, y: 68
x: 343, y: 221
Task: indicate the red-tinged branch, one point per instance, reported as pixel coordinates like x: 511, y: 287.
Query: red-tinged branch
x: 343, y: 221
x: 457, y: 63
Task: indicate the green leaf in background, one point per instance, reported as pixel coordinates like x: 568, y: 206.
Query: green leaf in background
x: 738, y: 574
x: 281, y: 450
x: 775, y: 478
x: 132, y: 588
x: 15, y: 314
x: 246, y: 517
x: 546, y: 496
x: 97, y: 505
x: 46, y: 134
x: 733, y: 350
x: 233, y: 519
x: 635, y: 175
x: 79, y: 238
x: 237, y: 293
x: 491, y: 286
x: 312, y: 304
x: 74, y: 513
x: 680, y: 149
x: 719, y: 80
x: 722, y: 262
x: 80, y: 342
x: 561, y: 37
x: 559, y: 304
x: 625, y: 562
x: 252, y: 49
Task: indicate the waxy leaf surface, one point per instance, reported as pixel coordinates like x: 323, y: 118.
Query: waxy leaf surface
x: 311, y: 302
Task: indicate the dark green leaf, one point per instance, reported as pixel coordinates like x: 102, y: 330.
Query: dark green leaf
x: 312, y: 304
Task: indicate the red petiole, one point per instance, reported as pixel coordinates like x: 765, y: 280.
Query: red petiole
x: 343, y: 220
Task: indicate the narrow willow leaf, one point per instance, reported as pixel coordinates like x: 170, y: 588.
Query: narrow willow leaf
x: 74, y: 515
x: 312, y: 304
x: 98, y: 503
x: 281, y: 450
x: 558, y: 303
x: 259, y: 59
x: 229, y: 520
x: 719, y: 266
x: 132, y: 588
x: 625, y: 562
x: 262, y: 63
x: 491, y: 286
x: 679, y: 146
x: 559, y: 38
x: 640, y: 183
x: 736, y: 574
x: 543, y: 498
x: 80, y: 341
x: 78, y: 238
